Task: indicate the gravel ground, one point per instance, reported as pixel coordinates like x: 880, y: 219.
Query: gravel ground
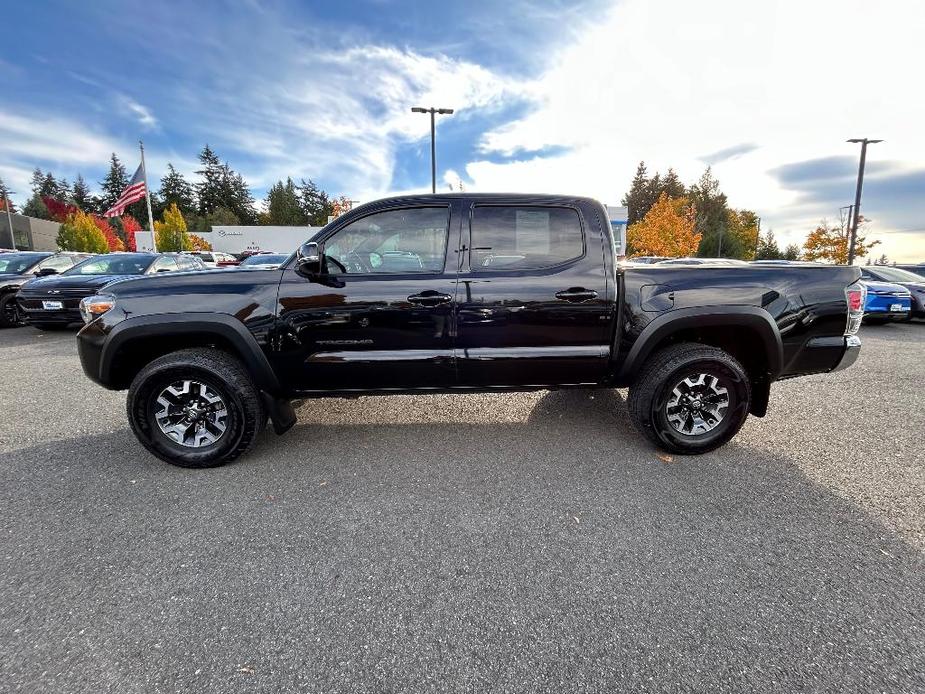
x: 499, y: 543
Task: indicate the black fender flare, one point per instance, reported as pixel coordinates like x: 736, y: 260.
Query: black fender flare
x: 221, y: 325
x: 664, y: 325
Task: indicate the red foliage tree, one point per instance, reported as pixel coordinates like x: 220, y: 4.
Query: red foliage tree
x: 57, y: 210
x: 113, y: 241
x: 130, y: 226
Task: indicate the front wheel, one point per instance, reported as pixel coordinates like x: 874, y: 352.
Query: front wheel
x: 195, y: 408
x: 9, y: 312
x: 690, y: 398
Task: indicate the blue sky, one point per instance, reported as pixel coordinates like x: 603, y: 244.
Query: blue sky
x: 557, y: 97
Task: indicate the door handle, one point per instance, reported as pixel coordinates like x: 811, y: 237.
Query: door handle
x: 430, y: 298
x: 576, y: 294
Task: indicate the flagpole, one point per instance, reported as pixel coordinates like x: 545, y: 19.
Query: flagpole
x: 144, y: 173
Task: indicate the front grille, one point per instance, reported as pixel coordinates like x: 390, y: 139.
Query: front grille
x: 79, y: 292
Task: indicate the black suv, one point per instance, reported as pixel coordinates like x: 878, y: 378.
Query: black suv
x: 54, y: 302
x: 18, y: 268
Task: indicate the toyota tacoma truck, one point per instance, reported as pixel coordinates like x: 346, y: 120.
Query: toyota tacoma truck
x: 462, y: 293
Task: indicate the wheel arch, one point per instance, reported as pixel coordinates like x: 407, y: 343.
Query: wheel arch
x: 136, y: 341
x: 746, y: 332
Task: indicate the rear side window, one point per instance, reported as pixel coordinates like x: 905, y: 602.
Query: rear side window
x: 524, y: 238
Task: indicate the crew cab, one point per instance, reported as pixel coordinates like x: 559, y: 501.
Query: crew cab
x: 462, y: 293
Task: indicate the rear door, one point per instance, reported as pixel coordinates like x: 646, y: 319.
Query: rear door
x: 532, y: 297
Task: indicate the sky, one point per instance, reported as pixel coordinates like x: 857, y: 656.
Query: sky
x: 558, y: 97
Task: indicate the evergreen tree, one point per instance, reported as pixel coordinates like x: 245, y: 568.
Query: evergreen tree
x: 221, y: 186
x: 114, y: 183
x: 221, y: 216
x: 792, y: 252
x: 768, y: 248
x: 672, y: 186
x: 49, y: 187
x: 5, y: 197
x: 38, y: 178
x: 36, y: 208
x: 316, y: 204
x: 209, y: 189
x: 635, y: 200
x: 283, y: 205
x: 177, y: 190
x: 80, y: 195
x: 712, y: 211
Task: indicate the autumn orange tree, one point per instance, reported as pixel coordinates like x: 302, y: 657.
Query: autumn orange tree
x: 667, y: 229
x: 830, y: 243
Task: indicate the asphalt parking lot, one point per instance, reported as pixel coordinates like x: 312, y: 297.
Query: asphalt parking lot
x: 516, y: 542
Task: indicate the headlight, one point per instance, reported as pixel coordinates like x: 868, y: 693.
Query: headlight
x: 92, y: 307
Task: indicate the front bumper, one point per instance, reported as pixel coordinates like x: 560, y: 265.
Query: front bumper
x: 90, y: 341
x: 32, y: 308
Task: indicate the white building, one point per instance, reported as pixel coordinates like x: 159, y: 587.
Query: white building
x: 237, y: 239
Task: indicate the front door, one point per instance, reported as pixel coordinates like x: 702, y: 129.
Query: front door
x: 382, y: 315
x: 532, y: 298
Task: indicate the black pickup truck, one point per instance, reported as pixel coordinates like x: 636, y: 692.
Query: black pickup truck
x: 460, y: 293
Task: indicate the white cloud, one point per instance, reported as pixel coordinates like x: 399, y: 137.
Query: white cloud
x: 670, y: 82
x: 141, y: 113
x: 30, y: 139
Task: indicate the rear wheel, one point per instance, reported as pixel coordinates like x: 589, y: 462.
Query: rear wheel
x: 690, y: 398
x: 195, y: 408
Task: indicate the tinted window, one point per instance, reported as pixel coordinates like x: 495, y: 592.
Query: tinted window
x: 58, y: 262
x: 519, y: 238
x: 164, y: 264
x: 114, y: 264
x: 16, y: 263
x: 392, y: 242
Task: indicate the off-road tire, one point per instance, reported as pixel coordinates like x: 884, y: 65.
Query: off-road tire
x: 650, y: 393
x: 220, y: 371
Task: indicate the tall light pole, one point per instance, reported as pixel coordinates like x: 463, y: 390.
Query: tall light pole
x: 852, y: 239
x: 433, y: 147
x: 9, y: 217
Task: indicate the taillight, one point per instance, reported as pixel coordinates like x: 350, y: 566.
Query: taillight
x: 855, y: 300
x: 856, y: 295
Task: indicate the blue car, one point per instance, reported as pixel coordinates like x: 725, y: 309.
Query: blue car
x: 886, y: 302
x: 896, y: 275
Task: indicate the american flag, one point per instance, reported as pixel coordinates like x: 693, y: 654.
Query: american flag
x: 133, y: 192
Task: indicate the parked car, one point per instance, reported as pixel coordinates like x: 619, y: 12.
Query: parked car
x: 886, y: 302
x: 264, y: 261
x: 914, y: 269
x: 895, y: 275
x: 17, y: 268
x: 647, y: 259
x: 213, y: 259
x: 53, y: 302
x: 512, y: 292
x: 702, y: 261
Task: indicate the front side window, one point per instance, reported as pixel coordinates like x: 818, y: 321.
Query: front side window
x: 392, y: 242
x: 164, y: 264
x: 58, y: 262
x: 523, y: 238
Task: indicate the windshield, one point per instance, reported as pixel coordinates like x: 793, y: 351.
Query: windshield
x: 121, y: 264
x: 894, y: 274
x: 17, y: 263
x: 265, y: 259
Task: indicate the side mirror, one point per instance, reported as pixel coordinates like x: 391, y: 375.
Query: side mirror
x: 46, y: 271
x: 308, y: 259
